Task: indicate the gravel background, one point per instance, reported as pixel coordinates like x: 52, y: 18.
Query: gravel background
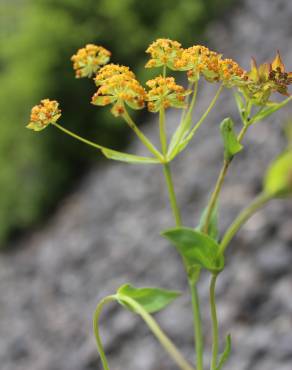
x: 107, y: 233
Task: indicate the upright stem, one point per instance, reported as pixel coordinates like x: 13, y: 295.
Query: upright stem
x: 215, y: 194
x: 199, y: 345
x: 162, y: 131
x: 172, y: 196
x: 259, y: 202
x: 220, y: 182
x: 215, y: 330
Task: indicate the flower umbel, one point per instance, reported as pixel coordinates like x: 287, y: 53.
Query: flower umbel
x: 111, y: 70
x: 163, y: 53
x: 199, y: 60
x: 89, y: 59
x: 45, y: 113
x: 164, y: 92
x: 120, y: 89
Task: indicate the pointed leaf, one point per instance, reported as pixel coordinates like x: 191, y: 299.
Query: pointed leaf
x: 129, y: 158
x: 213, y: 231
x: 272, y: 108
x: 278, y: 180
x: 231, y: 144
x: 151, y: 299
x: 226, y: 353
x: 196, y: 248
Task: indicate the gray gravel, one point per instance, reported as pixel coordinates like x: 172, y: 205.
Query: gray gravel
x: 107, y: 233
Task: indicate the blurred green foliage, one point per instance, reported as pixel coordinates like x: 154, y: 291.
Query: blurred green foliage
x: 37, y: 39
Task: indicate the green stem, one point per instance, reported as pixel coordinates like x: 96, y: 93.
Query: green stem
x: 192, y: 104
x: 220, y: 182
x: 162, y: 131
x: 77, y: 137
x: 193, y: 287
x: 204, y: 116
x: 172, y: 350
x: 215, y: 194
x: 142, y: 137
x: 96, y: 330
x: 199, y: 345
x: 172, y: 196
x: 258, y: 203
x: 215, y: 330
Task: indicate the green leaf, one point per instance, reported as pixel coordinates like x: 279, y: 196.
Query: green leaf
x: 231, y: 144
x: 213, y: 231
x: 272, y: 108
x: 129, y: 158
x: 151, y: 299
x: 278, y: 179
x: 196, y: 248
x: 226, y: 353
x: 239, y: 103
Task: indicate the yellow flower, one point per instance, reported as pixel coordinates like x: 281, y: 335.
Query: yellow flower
x: 43, y: 114
x: 163, y: 53
x: 164, y: 92
x: 88, y: 60
x: 111, y: 70
x: 199, y: 60
x: 120, y: 89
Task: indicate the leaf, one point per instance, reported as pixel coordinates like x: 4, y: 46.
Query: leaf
x: 226, y: 353
x: 278, y: 179
x: 239, y: 103
x: 231, y: 144
x: 196, y: 248
x: 129, y: 158
x: 263, y: 113
x: 213, y: 231
x: 151, y: 299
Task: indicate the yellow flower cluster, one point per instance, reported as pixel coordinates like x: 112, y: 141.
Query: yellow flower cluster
x: 89, y: 59
x: 163, y: 53
x: 164, y: 92
x: 119, y: 88
x: 43, y: 114
x: 199, y: 60
x: 111, y: 70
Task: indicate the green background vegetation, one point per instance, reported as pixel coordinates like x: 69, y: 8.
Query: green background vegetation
x: 37, y: 39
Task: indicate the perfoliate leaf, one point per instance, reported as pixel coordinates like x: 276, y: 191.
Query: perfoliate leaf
x: 226, y: 353
x: 129, y: 158
x: 213, y: 223
x: 151, y: 299
x: 196, y: 248
x: 231, y: 144
x: 278, y: 179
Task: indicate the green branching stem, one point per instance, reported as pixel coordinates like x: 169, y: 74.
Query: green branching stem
x: 162, y: 131
x: 171, y: 193
x: 241, y: 219
x: 220, y: 182
x: 166, y: 343
x: 96, y: 329
x: 77, y: 137
x: 193, y: 287
x: 204, y: 116
x: 215, y: 329
x: 142, y: 137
